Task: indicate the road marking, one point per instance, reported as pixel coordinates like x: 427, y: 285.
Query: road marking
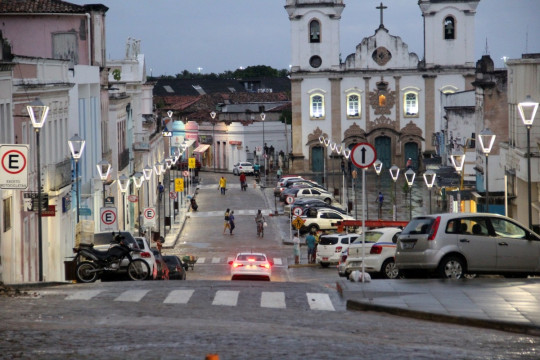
x: 179, y: 297
x: 83, y: 295
x: 275, y: 300
x: 201, y: 260
x: 132, y: 295
x: 277, y: 261
x: 215, y: 260
x: 226, y: 298
x: 318, y: 301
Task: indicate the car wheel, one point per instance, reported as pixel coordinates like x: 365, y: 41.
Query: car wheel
x: 328, y: 201
x: 325, y: 265
x: 451, y: 267
x: 389, y: 269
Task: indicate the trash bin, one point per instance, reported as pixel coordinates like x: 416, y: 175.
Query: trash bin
x: 70, y: 269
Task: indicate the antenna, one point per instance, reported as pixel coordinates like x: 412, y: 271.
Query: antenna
x: 527, y: 39
x: 486, y: 51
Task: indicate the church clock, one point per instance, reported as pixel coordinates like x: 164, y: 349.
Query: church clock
x: 381, y: 55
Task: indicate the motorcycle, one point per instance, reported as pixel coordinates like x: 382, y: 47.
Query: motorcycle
x: 97, y: 262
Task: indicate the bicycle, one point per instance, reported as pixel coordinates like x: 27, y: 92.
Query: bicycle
x: 260, y: 229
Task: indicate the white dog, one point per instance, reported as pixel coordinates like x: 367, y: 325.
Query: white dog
x: 356, y: 276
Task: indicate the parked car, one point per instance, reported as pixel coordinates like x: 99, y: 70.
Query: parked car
x: 251, y: 265
x: 330, y: 247
x: 147, y: 255
x: 162, y: 268
x: 325, y: 219
x: 283, y: 180
x: 379, y: 251
x: 454, y: 244
x: 304, y: 202
x: 245, y: 167
x: 177, y: 270
x: 102, y: 242
x: 315, y: 193
x: 309, y: 209
x: 288, y: 192
x: 297, y: 183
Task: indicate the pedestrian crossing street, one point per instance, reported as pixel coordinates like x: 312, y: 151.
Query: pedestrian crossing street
x: 226, y: 298
x: 219, y: 213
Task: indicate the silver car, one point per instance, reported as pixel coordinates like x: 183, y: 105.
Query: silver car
x: 455, y: 244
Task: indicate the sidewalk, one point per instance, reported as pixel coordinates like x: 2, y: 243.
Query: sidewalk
x: 494, y: 303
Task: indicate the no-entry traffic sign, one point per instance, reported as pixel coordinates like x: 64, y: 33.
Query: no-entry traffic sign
x: 13, y: 166
x: 363, y: 155
x: 108, y: 219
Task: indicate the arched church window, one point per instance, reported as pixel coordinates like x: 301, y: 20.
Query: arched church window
x: 411, y: 104
x: 449, y: 28
x: 317, y: 107
x: 314, y: 31
x: 353, y: 106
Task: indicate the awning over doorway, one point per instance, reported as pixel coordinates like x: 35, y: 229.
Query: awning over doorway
x: 201, y: 148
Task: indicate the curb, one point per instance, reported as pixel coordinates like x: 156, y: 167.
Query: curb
x: 295, y: 266
x: 355, y: 305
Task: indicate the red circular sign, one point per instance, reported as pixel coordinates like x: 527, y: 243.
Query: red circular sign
x: 113, y: 217
x: 133, y: 198
x: 149, y: 213
x: 172, y: 195
x: 363, y: 155
x: 21, y: 155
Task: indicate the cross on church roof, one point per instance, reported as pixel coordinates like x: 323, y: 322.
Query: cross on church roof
x: 381, y: 7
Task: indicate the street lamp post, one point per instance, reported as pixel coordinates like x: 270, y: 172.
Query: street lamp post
x: 487, y: 139
x: 394, y: 173
x: 158, y: 168
x: 527, y: 111
x: 38, y: 114
x: 138, y: 179
x: 123, y: 181
x: 104, y: 169
x: 429, y: 178
x: 147, y: 172
x: 263, y: 116
x: 346, y: 154
x: 377, y: 165
x: 458, y: 160
x: 409, y: 176
x: 213, y: 116
x: 76, y: 145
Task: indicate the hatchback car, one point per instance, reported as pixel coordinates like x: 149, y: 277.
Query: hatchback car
x: 325, y: 219
x: 315, y: 193
x: 377, y: 252
x: 177, y: 270
x: 245, y: 167
x: 148, y: 256
x: 330, y: 247
x: 251, y: 266
x: 455, y: 244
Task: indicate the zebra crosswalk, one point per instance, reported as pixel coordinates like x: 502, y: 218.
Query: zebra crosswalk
x: 279, y: 262
x: 228, y: 298
x: 219, y: 213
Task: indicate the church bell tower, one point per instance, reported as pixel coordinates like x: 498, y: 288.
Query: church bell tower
x: 315, y: 37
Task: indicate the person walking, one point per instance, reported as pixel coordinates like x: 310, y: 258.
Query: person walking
x: 226, y: 225
x: 222, y: 185
x: 259, y: 220
x: 310, y: 242
x: 296, y: 248
x: 243, y: 183
x: 231, y: 222
x: 278, y: 173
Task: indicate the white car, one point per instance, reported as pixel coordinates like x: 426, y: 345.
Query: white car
x: 245, y: 167
x: 147, y: 255
x: 251, y: 265
x: 379, y: 253
x: 323, y: 219
x: 330, y: 247
x: 283, y: 181
x: 314, y: 193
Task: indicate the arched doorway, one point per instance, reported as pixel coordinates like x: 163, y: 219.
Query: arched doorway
x: 383, y: 147
x: 317, y: 163
x: 411, y: 151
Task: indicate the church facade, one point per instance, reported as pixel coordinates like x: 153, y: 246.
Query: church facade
x: 381, y: 94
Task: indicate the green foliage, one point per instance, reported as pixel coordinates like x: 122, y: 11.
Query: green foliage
x: 117, y: 74
x: 286, y: 117
x: 257, y: 71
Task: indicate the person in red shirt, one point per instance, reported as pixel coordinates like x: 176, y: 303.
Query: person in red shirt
x: 243, y: 183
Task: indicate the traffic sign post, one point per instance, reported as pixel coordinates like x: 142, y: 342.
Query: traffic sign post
x: 13, y: 166
x: 149, y: 217
x: 363, y: 155
x: 108, y: 219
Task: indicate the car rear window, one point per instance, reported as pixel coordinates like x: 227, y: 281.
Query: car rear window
x: 171, y: 260
x: 245, y: 164
x: 254, y: 257
x: 328, y: 240
x: 421, y: 225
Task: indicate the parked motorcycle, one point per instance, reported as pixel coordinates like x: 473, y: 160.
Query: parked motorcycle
x: 99, y: 262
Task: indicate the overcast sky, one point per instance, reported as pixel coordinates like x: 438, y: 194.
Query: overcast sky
x: 220, y: 35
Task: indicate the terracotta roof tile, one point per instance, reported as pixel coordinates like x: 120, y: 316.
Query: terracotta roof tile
x: 39, y: 6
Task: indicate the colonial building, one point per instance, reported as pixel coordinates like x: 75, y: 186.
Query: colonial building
x: 381, y: 93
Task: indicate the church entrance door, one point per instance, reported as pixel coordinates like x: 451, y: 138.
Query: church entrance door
x: 317, y: 163
x: 384, y: 151
x: 411, y: 151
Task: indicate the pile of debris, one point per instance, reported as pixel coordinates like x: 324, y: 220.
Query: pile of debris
x: 9, y: 291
